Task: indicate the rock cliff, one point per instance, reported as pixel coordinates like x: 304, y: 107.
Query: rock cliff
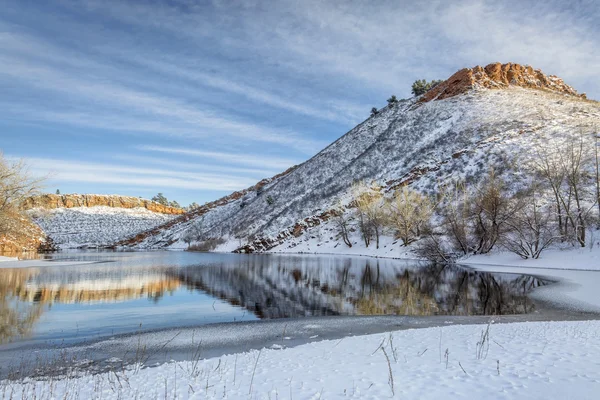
x: 498, y: 76
x: 51, y: 201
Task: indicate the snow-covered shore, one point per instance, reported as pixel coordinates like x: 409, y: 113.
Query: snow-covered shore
x: 517, y: 360
x: 538, y: 360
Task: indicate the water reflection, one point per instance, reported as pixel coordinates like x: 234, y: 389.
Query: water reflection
x: 361, y: 287
x: 182, y: 289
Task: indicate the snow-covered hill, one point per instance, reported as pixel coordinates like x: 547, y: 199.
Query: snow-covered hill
x: 94, y: 226
x: 457, y: 136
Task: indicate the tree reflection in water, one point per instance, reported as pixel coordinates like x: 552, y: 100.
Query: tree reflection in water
x: 268, y: 286
x: 363, y: 288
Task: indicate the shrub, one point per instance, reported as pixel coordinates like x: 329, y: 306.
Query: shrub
x: 421, y: 86
x: 207, y: 245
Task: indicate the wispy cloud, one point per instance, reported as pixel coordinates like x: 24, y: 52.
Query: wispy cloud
x: 233, y: 158
x: 199, y: 123
x: 76, y: 171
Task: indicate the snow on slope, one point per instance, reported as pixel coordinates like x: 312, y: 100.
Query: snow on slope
x: 530, y: 360
x: 94, y: 226
x: 458, y: 138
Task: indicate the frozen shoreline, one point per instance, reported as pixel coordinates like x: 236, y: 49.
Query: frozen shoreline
x: 548, y: 359
x: 534, y: 360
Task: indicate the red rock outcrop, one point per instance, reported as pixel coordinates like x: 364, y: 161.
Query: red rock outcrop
x: 50, y: 201
x: 23, y: 236
x: 498, y: 76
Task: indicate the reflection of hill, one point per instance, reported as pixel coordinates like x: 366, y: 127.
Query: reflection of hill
x: 99, y: 291
x: 364, y: 288
x: 16, y: 318
x: 25, y: 292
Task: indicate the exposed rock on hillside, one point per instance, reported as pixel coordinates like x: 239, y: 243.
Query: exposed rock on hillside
x: 24, y: 237
x: 498, y: 76
x: 51, y: 201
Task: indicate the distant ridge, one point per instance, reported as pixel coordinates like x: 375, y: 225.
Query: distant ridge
x: 52, y: 201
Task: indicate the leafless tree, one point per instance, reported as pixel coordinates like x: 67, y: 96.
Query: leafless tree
x: 341, y: 221
x: 409, y: 214
x: 16, y: 184
x: 568, y: 169
x: 491, y: 210
x: 531, y: 229
x: 455, y: 210
x: 371, y: 213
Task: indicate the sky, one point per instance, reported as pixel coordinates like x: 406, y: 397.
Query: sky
x: 196, y: 99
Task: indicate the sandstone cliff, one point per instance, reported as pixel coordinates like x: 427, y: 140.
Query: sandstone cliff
x: 498, y: 76
x: 51, y: 201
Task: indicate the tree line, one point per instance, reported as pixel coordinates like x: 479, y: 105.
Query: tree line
x: 560, y: 204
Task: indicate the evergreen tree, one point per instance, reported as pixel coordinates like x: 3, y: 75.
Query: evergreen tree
x: 374, y: 111
x: 421, y: 86
x: 161, y: 199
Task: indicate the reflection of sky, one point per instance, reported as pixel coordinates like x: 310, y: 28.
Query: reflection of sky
x: 182, y: 308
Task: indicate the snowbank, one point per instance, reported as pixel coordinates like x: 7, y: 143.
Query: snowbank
x: 533, y: 360
x: 2, y: 258
x: 571, y: 258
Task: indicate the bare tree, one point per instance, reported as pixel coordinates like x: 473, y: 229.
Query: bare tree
x: 530, y: 228
x: 370, y: 211
x: 455, y: 210
x: 491, y: 210
x: 548, y: 167
x: 194, y: 233
x: 16, y: 184
x: 568, y: 170
x: 409, y: 213
x: 343, y: 225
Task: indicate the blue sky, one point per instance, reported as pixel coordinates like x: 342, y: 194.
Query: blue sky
x: 196, y: 99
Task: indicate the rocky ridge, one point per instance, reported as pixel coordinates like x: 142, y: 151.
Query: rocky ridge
x: 52, y: 201
x: 498, y: 76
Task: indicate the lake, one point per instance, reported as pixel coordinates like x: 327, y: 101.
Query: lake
x: 104, y: 294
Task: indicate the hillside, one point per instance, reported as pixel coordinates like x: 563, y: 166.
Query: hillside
x: 79, y: 221
x: 479, y: 118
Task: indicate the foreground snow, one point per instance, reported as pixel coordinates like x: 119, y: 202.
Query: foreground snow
x: 2, y: 258
x: 533, y: 360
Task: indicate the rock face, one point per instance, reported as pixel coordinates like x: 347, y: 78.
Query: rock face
x: 498, y: 76
x: 23, y: 236
x: 51, y: 201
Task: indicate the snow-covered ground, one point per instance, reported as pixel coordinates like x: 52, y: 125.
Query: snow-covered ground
x: 95, y: 226
x: 541, y: 360
x: 2, y: 258
x: 324, y: 239
x: 587, y: 258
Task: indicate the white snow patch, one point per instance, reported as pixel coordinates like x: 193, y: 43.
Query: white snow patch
x: 533, y: 360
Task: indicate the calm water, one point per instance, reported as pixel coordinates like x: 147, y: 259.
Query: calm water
x: 128, y: 292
